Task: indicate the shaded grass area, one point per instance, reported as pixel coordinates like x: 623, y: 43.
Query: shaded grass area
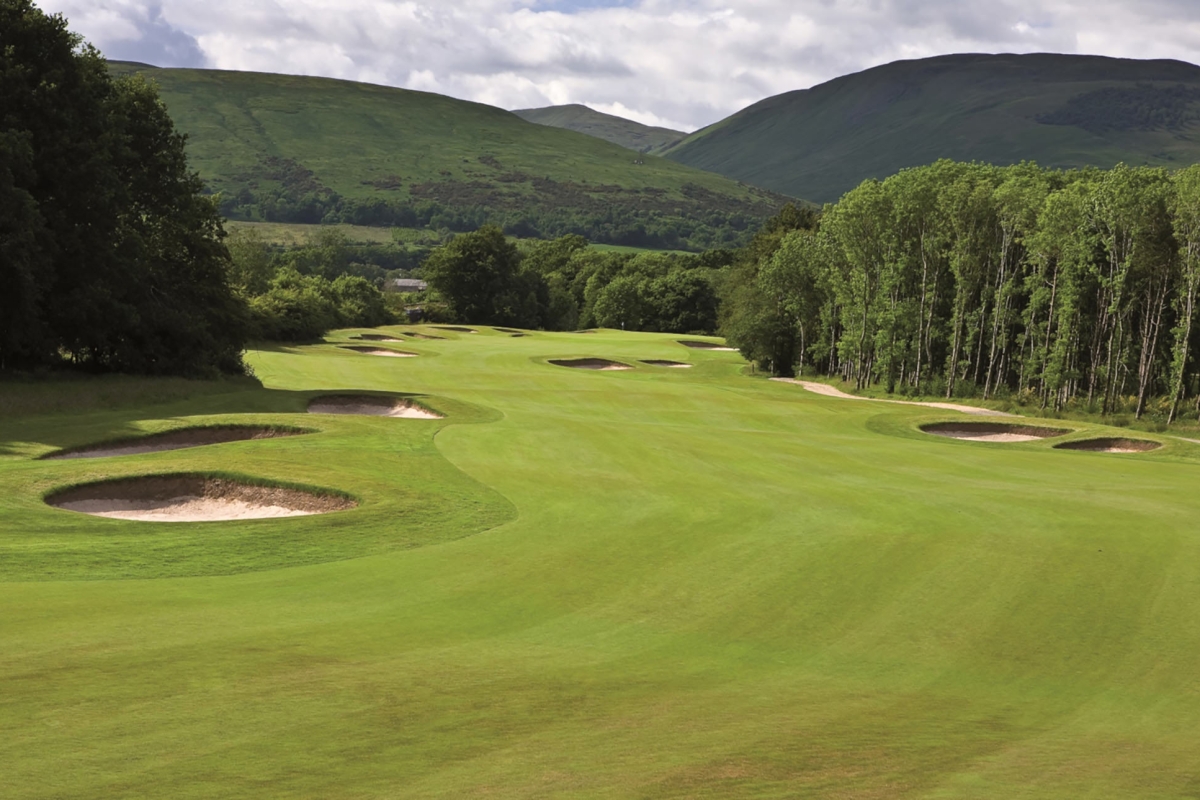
x: 710, y: 586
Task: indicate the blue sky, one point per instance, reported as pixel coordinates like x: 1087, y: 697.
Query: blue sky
x: 679, y: 63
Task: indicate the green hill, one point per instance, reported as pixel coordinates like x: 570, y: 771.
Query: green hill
x: 618, y: 130
x: 298, y: 149
x: 1058, y: 110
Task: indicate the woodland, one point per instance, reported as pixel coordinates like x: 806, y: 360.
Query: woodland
x: 1060, y: 288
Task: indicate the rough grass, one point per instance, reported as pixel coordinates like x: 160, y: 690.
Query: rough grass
x: 704, y: 585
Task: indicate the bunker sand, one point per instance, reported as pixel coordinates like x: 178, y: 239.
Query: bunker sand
x: 601, y: 364
x: 992, y: 431
x: 193, y: 498
x: 656, y: 362
x: 1111, y: 445
x: 376, y: 351
x: 376, y: 337
x: 368, y: 406
x: 707, y: 346
x: 832, y: 391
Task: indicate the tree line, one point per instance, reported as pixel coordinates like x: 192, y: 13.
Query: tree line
x: 695, y: 223
x: 563, y: 284
x: 1063, y: 289
x: 297, y: 294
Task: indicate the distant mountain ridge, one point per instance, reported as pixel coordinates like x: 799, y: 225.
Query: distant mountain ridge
x: 618, y: 130
x: 1057, y: 110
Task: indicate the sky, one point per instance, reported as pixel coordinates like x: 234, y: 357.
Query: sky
x: 678, y: 63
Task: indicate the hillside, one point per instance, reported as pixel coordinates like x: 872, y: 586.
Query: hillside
x: 299, y: 149
x: 1057, y: 110
x: 618, y: 130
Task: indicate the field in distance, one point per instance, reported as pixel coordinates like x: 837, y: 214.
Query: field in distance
x: 297, y: 234
x: 1057, y: 110
x: 640, y: 582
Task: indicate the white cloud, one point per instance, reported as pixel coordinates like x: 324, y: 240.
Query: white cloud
x: 684, y: 63
x: 131, y: 30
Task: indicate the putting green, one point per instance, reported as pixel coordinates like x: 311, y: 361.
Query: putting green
x: 581, y: 583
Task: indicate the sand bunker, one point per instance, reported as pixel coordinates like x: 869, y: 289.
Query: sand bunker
x: 656, y: 362
x: 375, y: 337
x: 416, y: 335
x: 193, y: 498
x: 375, y: 351
x: 369, y: 406
x: 706, y: 346
x: 992, y: 431
x: 589, y: 363
x: 509, y: 330
x: 455, y: 328
x: 176, y: 440
x: 1111, y: 445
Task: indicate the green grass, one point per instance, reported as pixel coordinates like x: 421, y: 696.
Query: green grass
x: 618, y: 130
x: 819, y: 143
x: 375, y: 142
x: 653, y: 583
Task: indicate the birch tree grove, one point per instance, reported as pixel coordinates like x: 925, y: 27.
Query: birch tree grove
x: 1062, y: 289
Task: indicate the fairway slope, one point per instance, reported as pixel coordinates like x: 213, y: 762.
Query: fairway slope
x: 662, y: 584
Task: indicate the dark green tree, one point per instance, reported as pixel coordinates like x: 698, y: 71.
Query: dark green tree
x: 114, y: 253
x: 478, y: 276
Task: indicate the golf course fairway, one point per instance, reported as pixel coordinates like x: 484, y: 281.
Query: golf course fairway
x: 602, y: 584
